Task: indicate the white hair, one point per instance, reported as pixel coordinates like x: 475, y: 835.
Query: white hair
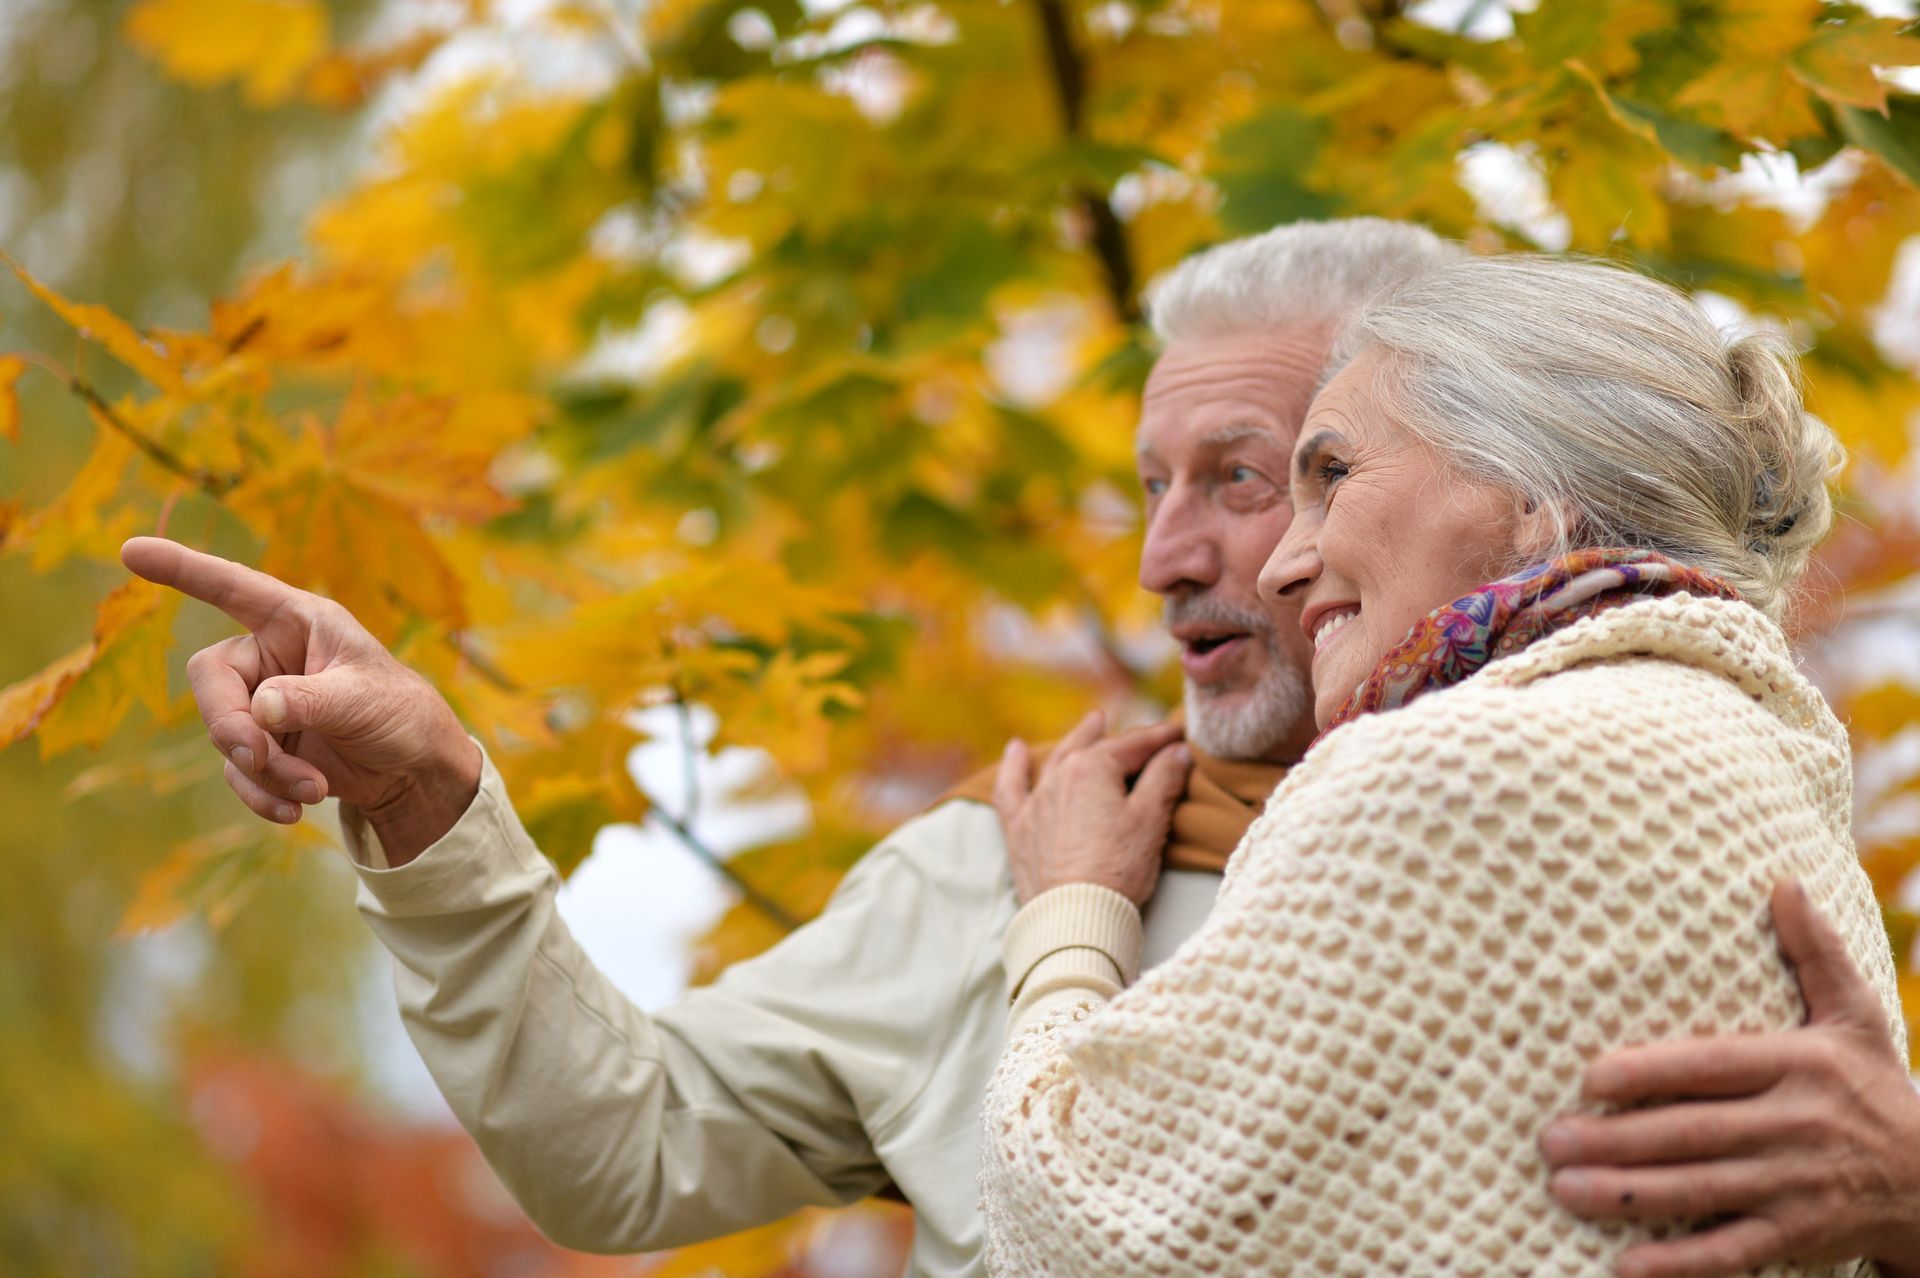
x: 1613, y: 400
x: 1303, y: 272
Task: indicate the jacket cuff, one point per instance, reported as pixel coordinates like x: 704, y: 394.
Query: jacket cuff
x: 1076, y: 936
x: 455, y: 871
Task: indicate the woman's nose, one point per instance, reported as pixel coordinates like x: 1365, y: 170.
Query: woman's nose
x: 1294, y: 563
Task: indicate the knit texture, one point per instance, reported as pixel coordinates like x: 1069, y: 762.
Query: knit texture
x: 1444, y: 914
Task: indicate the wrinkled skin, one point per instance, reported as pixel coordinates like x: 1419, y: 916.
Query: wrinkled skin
x: 307, y: 704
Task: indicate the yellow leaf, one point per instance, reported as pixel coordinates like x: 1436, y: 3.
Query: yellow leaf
x: 430, y: 455
x: 1883, y: 711
x: 1754, y: 100
x: 99, y: 324
x: 11, y: 367
x: 74, y: 523
x: 267, y: 45
x: 1838, y: 63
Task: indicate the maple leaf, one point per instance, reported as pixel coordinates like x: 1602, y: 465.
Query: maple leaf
x: 97, y: 323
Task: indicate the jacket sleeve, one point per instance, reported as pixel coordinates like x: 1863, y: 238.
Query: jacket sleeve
x: 617, y: 1131
x: 1431, y: 930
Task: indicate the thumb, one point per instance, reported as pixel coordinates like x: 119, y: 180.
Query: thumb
x: 305, y: 703
x: 1162, y: 781
x: 1829, y: 981
x: 1011, y: 779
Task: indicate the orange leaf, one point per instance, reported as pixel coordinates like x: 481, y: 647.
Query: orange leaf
x: 326, y: 531
x: 119, y: 665
x: 24, y: 704
x: 121, y: 339
x: 11, y: 366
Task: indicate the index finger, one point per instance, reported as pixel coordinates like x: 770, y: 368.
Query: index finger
x: 1132, y: 749
x: 249, y: 597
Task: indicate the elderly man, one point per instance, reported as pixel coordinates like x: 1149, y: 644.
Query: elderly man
x: 855, y: 1054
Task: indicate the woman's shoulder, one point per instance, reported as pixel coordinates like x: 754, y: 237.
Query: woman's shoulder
x: 1632, y: 691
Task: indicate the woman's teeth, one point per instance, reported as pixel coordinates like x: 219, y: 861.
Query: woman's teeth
x: 1329, y: 625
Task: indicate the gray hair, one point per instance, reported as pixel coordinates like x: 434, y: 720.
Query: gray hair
x: 1303, y: 272
x: 1613, y: 400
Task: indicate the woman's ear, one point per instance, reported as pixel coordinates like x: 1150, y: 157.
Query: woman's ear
x: 1538, y: 527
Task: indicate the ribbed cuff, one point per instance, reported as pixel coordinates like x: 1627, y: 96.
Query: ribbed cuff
x: 461, y: 868
x: 1078, y: 935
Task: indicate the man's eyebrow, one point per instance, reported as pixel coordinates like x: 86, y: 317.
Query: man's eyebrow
x: 1221, y: 438
x: 1304, y: 455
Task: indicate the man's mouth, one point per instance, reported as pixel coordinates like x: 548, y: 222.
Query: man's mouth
x: 1205, y: 656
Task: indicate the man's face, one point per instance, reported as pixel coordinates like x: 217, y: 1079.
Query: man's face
x: 1217, y: 430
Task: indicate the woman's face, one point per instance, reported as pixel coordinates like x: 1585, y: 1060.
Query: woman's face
x: 1382, y: 534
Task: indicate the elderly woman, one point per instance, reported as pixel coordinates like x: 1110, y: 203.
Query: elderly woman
x: 1546, y: 521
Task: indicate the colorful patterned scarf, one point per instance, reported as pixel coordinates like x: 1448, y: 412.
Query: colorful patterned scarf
x: 1500, y: 618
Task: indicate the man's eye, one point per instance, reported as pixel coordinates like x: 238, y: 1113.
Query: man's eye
x: 1242, y: 474
x: 1154, y: 487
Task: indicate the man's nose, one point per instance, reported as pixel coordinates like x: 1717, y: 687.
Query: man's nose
x: 1182, y: 547
x: 1294, y: 564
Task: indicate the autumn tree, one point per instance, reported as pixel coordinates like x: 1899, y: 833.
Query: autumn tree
x: 782, y: 359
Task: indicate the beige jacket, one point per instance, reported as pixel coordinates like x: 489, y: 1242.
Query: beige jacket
x: 854, y: 1053
x: 1444, y: 914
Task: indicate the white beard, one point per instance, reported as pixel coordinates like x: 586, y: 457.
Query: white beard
x: 1254, y: 723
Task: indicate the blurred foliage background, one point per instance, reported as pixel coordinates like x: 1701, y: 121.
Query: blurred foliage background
x: 777, y: 360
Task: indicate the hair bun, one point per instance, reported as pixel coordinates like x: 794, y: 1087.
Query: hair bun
x: 1798, y: 456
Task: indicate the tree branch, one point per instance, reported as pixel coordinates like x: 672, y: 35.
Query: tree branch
x: 753, y: 896
x: 1069, y: 74
x: 680, y: 827
x: 214, y: 485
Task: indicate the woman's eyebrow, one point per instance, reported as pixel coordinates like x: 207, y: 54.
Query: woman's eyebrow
x: 1304, y: 455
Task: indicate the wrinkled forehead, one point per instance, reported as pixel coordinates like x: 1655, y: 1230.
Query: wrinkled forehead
x: 1261, y: 381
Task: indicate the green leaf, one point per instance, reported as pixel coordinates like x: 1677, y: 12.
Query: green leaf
x: 1691, y: 141
x: 1895, y: 137
x: 1261, y: 166
x: 705, y: 49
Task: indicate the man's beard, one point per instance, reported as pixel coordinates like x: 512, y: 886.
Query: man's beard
x: 1252, y: 722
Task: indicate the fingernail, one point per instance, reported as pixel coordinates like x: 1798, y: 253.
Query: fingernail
x: 271, y: 706
x: 1184, y: 753
x: 1569, y: 1184
x: 243, y: 759
x: 286, y: 812
x: 307, y: 791
x: 1557, y: 1144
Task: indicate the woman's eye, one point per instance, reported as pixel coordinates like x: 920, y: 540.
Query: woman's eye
x: 1331, y: 470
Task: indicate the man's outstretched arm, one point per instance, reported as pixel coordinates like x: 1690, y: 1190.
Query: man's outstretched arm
x: 617, y: 1131
x: 1803, y: 1145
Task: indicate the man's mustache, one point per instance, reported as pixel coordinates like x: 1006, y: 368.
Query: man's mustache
x: 1204, y: 610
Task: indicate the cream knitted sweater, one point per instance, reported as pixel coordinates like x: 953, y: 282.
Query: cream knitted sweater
x: 1443, y: 915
